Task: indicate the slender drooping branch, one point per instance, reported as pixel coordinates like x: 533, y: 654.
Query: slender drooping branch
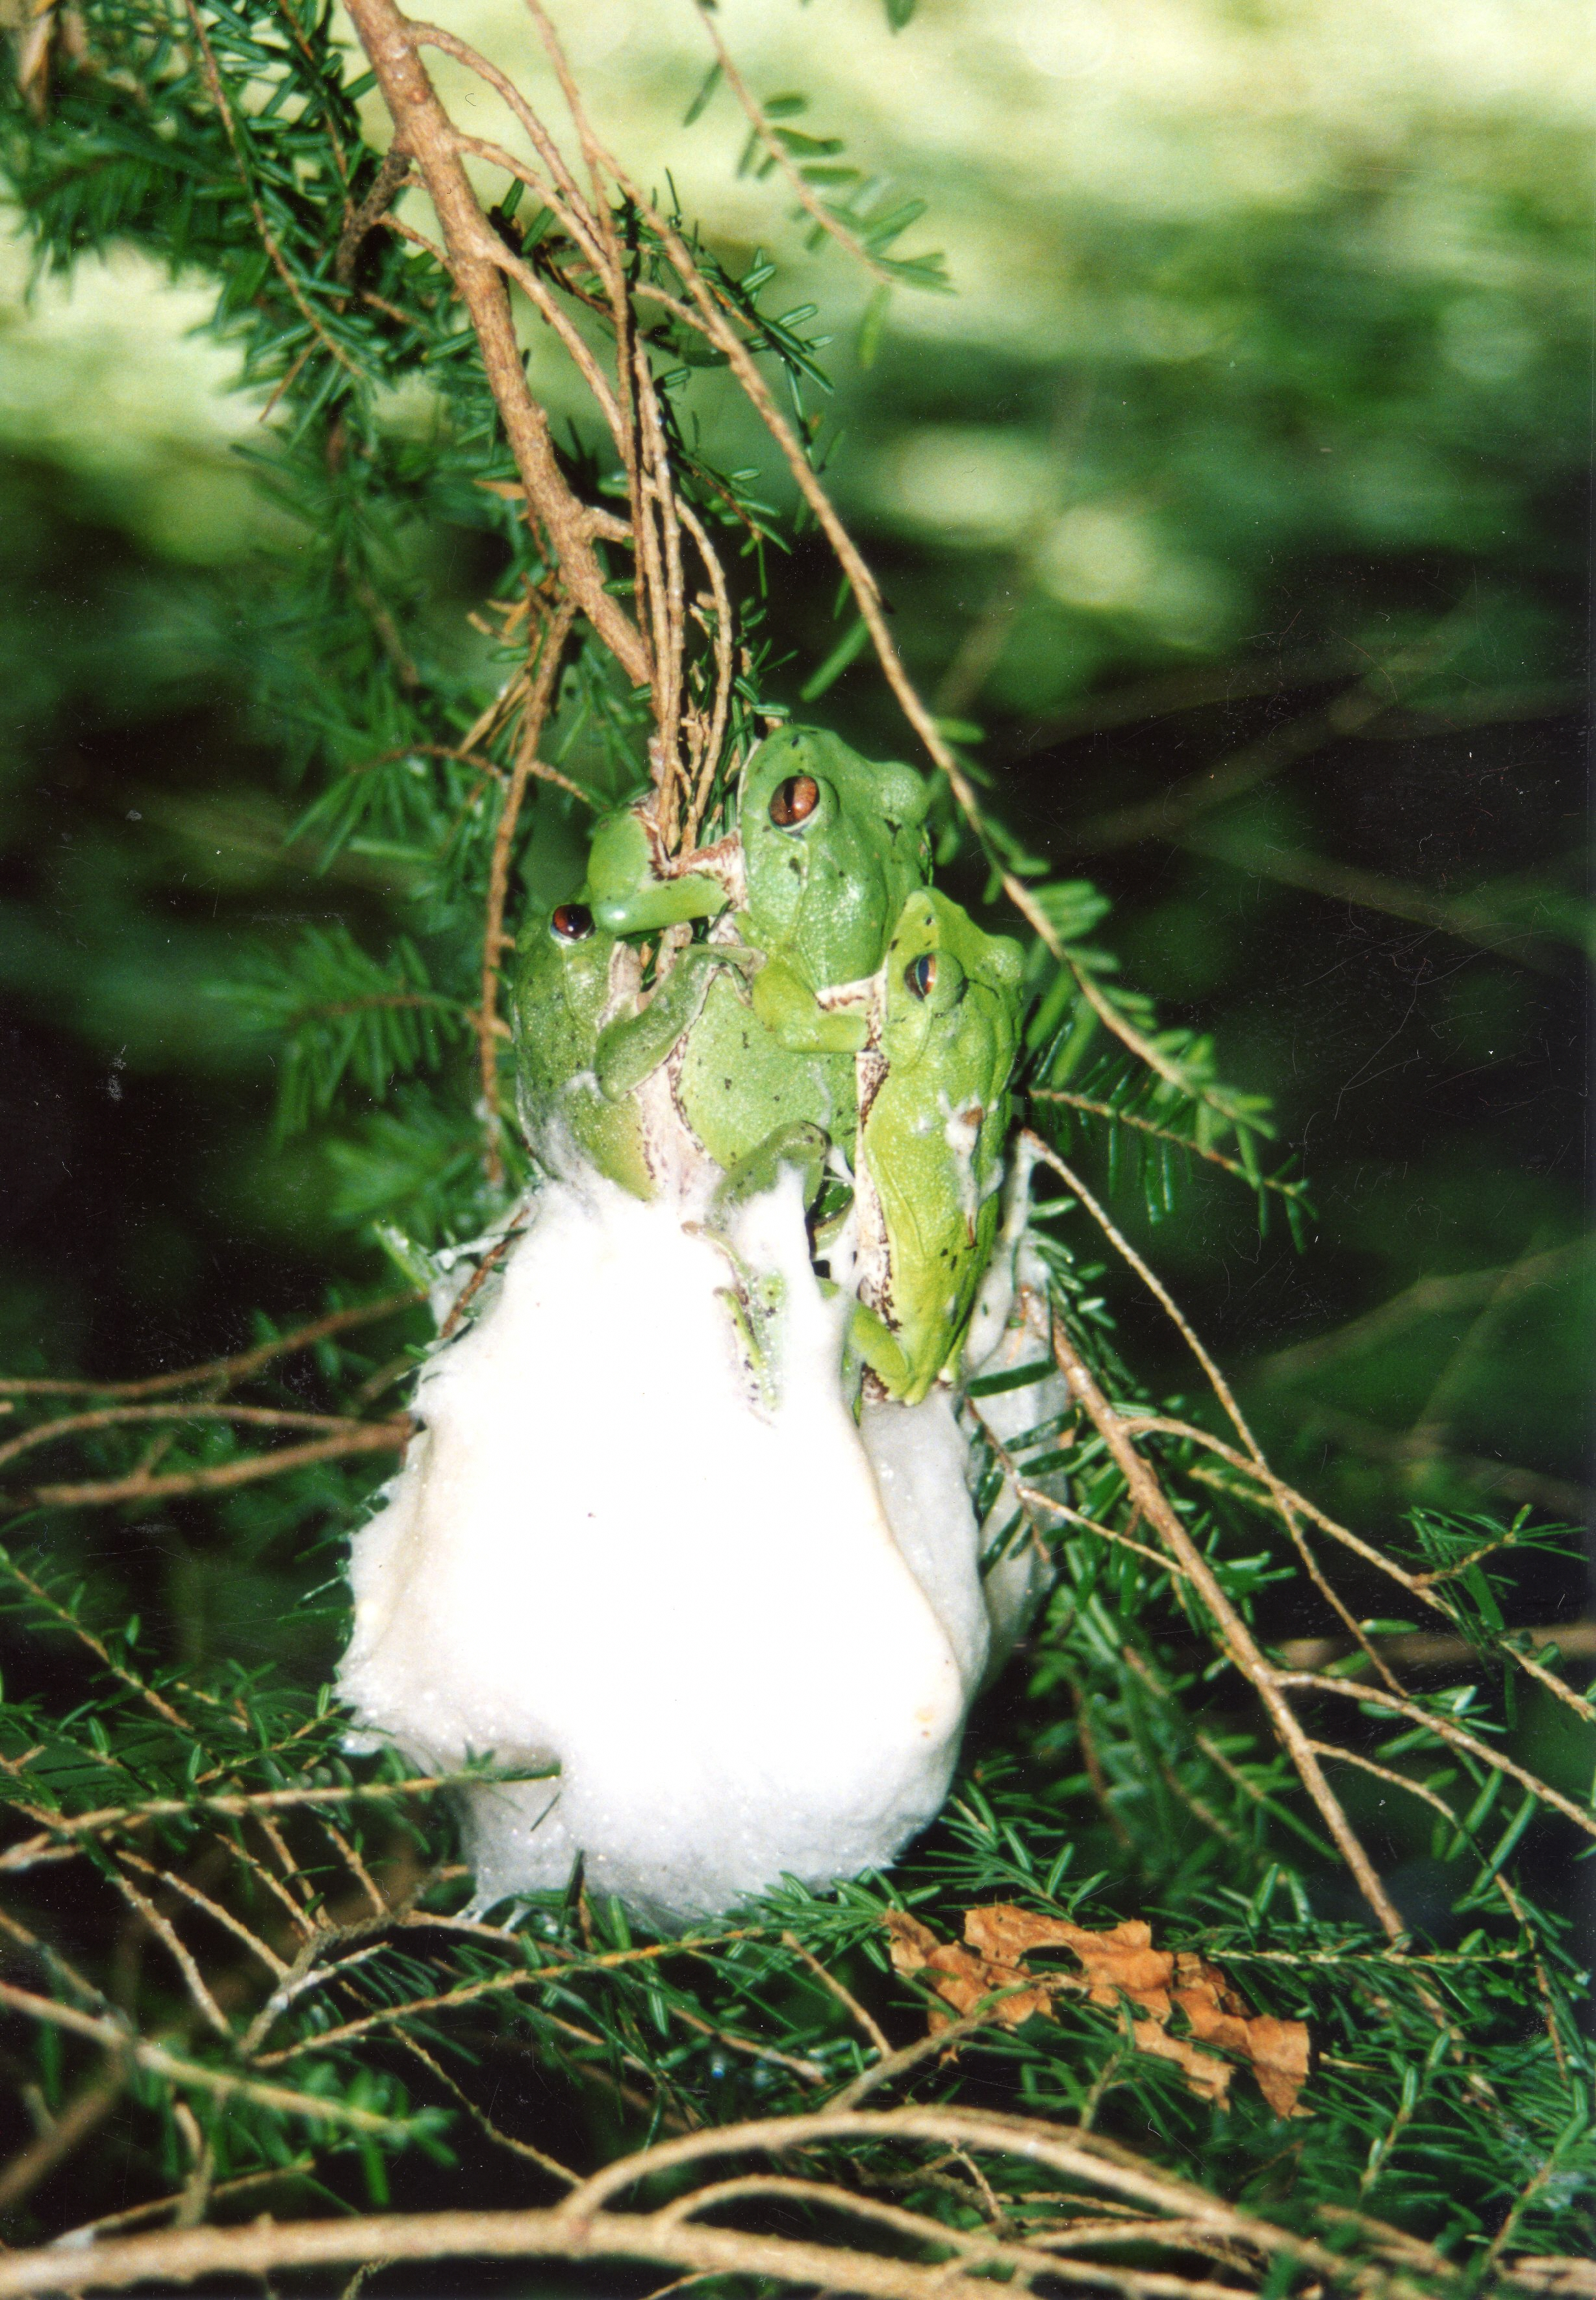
x: 583, y: 2227
x: 1237, y: 1639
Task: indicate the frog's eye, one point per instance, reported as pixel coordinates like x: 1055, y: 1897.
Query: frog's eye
x: 571, y: 922
x: 920, y: 975
x: 794, y: 801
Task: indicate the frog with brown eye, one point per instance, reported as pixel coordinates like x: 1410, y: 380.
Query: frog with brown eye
x: 930, y: 1158
x: 586, y: 1038
x: 571, y: 923
x: 832, y: 844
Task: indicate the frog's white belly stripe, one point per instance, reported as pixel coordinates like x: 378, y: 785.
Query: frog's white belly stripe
x: 597, y: 1553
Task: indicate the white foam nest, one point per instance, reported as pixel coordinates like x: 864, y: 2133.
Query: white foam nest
x: 740, y: 1633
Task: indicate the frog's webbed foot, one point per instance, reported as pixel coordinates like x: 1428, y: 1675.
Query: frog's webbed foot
x: 788, y: 1008
x: 631, y: 1048
x: 801, y: 1144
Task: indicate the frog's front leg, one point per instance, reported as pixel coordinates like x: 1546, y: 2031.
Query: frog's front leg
x: 625, y: 892
x: 631, y: 1048
x: 788, y: 1008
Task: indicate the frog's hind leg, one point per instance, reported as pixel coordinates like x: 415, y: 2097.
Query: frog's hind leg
x: 633, y: 1047
x: 800, y: 1144
x: 871, y: 1341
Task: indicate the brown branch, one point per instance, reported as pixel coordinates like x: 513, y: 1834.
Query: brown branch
x: 578, y: 2228
x: 154, y: 2207
x: 829, y: 1980
x: 972, y: 2248
x: 83, y: 2114
x: 389, y: 2238
x: 364, y: 219
x: 1160, y: 1133
x: 494, y: 1985
x: 213, y: 1909
x: 219, y: 2083
x: 866, y: 593
x: 112, y: 1417
x: 474, y: 249
x: 484, y: 2122
x: 194, y: 1980
x: 479, y: 1277
x: 249, y: 1804
x: 1260, y: 1468
x: 1430, y: 1649
x: 68, y: 1621
x: 225, y: 1370
x: 364, y: 1437
x: 1235, y: 1636
x: 1418, y: 1649
x: 534, y: 714
x: 1444, y: 1729
x: 719, y: 708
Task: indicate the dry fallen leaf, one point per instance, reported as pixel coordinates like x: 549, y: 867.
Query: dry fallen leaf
x: 1120, y: 1962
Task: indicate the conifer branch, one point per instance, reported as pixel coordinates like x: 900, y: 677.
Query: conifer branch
x: 1236, y: 1638
x: 823, y: 218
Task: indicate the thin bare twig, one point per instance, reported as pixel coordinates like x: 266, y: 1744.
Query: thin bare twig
x: 1237, y: 1637
x: 1150, y: 1126
x: 1260, y: 1468
x: 1444, y: 1729
x: 307, y: 311
x: 219, y: 2083
x: 209, y: 2011
x: 549, y: 653
x: 226, y: 1370
x: 81, y: 2116
x: 766, y: 131
x: 112, y: 1417
x: 851, y: 2002
x: 362, y: 1438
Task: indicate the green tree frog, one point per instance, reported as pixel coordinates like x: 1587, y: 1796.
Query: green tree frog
x: 584, y: 1040
x: 930, y: 1157
x: 831, y: 845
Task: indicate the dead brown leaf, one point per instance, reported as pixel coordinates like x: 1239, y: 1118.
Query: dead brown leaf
x: 1119, y: 1963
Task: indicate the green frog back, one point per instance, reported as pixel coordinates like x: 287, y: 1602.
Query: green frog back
x: 930, y: 1140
